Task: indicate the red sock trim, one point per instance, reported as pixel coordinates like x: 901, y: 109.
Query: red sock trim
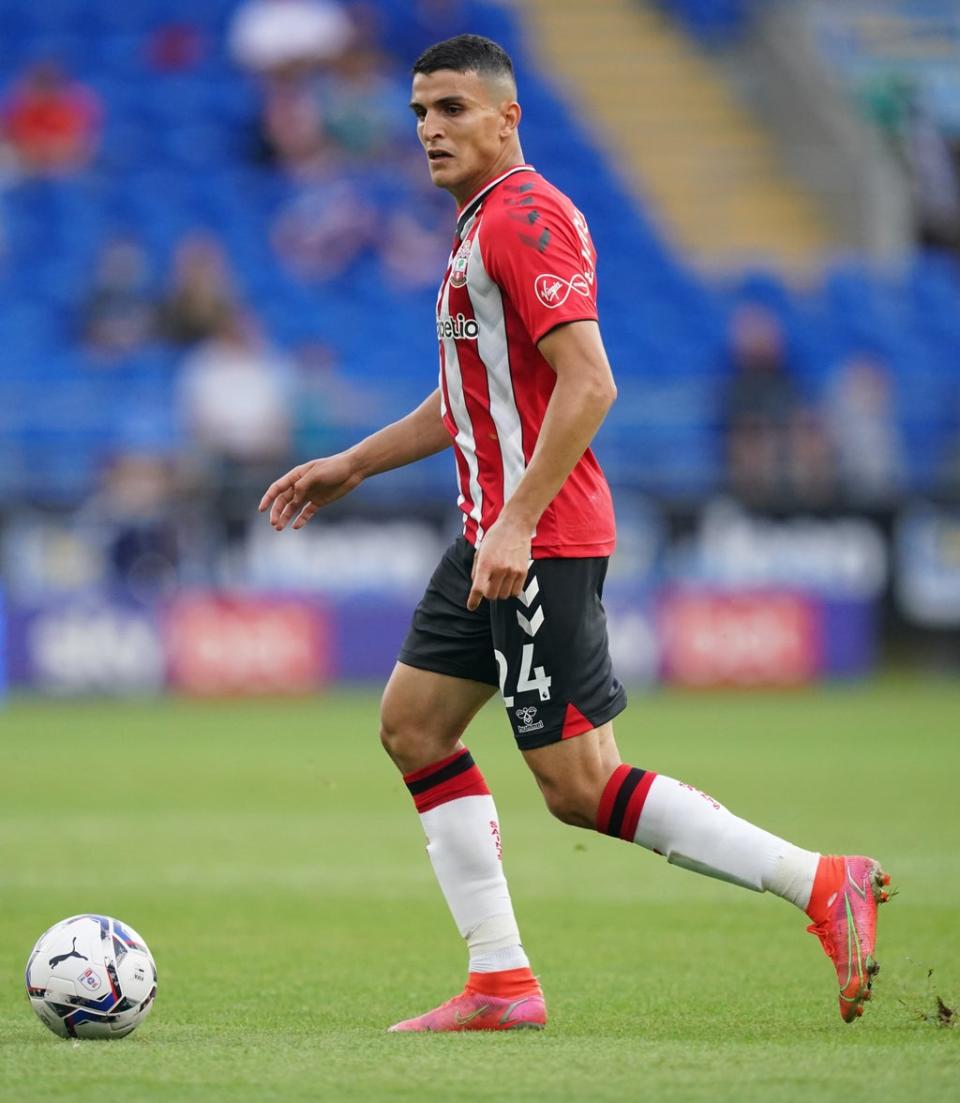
x: 575, y: 723
x: 449, y: 779
x: 635, y: 806
x: 609, y: 797
x: 426, y: 771
x: 622, y: 801
x: 506, y: 984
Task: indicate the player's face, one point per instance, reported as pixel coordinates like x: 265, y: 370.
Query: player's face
x: 466, y: 128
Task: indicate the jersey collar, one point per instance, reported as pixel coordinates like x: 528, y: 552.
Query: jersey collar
x: 469, y: 209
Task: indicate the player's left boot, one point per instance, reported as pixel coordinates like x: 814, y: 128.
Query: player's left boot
x: 843, y: 908
x: 474, y: 1010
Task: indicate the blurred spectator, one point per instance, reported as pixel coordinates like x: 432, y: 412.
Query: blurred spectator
x: 200, y: 299
x: 119, y: 312
x: 760, y: 402
x: 288, y: 36
x: 936, y: 179
x: 866, y: 440
x: 52, y: 123
x: 811, y: 464
x: 291, y: 128
x: 323, y: 230
x: 135, y: 516
x: 175, y: 47
x: 364, y: 109
x: 236, y: 398
x: 235, y: 394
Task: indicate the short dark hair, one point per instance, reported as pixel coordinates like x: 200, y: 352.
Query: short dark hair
x: 467, y: 53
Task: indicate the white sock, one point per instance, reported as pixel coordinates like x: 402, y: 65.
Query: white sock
x: 463, y: 841
x: 693, y: 831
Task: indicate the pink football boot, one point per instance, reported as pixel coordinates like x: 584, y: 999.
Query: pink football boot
x: 843, y: 908
x: 474, y: 1010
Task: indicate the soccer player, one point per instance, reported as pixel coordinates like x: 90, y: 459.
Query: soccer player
x: 515, y: 602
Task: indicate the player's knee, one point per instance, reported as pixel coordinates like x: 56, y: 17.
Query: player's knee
x: 410, y: 742
x: 571, y: 804
x: 396, y: 737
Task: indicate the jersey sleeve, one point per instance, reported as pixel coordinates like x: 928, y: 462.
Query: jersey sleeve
x: 539, y: 252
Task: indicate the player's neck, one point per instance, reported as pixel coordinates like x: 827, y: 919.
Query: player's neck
x: 463, y: 193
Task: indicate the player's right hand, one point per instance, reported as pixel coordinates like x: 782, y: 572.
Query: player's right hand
x: 307, y: 488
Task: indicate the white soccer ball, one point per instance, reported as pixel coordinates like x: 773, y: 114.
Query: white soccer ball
x: 91, y: 976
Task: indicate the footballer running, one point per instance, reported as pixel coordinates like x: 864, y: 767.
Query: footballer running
x: 515, y: 604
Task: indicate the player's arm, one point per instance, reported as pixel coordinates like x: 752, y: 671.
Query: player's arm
x: 584, y: 391
x: 311, y: 486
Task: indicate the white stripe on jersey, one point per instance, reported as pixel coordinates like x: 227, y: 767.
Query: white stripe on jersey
x: 487, y: 301
x: 458, y: 408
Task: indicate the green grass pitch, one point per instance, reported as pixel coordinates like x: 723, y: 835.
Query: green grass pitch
x: 272, y: 859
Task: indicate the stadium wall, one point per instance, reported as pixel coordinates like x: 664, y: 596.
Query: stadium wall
x: 714, y: 598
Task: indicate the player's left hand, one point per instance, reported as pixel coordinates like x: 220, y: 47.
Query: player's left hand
x: 500, y: 566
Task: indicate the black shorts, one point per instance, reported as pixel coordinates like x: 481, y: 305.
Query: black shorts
x: 547, y: 651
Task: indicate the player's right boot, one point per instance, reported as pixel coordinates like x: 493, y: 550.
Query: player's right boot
x: 473, y: 1010
x: 843, y: 907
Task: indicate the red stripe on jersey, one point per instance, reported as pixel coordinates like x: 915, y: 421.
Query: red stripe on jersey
x: 476, y: 396
x: 463, y: 471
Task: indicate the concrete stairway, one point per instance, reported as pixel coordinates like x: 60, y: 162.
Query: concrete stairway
x: 704, y: 167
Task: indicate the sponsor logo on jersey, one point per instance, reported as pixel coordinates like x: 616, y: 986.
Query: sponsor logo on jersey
x: 553, y: 291
x: 458, y: 275
x: 586, y: 246
x: 526, y: 717
x: 460, y: 328
x: 89, y: 979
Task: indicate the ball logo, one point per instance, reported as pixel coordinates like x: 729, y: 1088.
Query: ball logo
x: 460, y: 328
x: 553, y: 291
x: 89, y: 979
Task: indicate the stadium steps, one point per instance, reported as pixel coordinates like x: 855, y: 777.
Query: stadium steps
x: 703, y: 166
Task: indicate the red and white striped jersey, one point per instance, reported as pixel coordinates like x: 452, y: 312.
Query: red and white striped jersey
x: 522, y: 263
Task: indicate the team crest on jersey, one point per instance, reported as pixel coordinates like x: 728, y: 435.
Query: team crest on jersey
x: 458, y: 274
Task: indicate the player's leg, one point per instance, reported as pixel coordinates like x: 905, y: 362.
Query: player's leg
x: 445, y: 674
x: 585, y: 785
x: 561, y: 699
x: 692, y: 830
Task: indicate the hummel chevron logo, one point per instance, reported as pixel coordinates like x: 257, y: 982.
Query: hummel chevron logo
x: 529, y: 595
x: 462, y: 1020
x: 531, y: 626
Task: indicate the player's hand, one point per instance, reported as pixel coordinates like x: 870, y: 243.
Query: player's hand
x: 500, y: 566
x: 307, y: 488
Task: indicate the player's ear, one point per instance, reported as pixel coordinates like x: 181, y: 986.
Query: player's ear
x: 509, y: 118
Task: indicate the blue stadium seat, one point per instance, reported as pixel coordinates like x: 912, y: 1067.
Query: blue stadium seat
x: 175, y: 157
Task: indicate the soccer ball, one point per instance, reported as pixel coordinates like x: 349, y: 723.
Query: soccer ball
x: 91, y: 976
